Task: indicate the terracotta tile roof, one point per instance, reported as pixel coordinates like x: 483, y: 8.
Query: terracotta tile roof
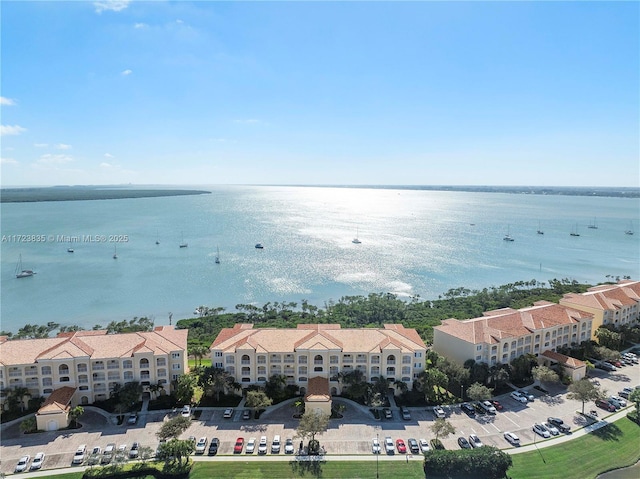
x: 498, y: 325
x: 607, y: 297
x: 93, y: 345
x: 318, y: 389
x: 322, y: 337
x: 568, y: 361
x: 58, y: 401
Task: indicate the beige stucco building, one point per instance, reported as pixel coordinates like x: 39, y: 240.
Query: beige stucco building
x: 504, y: 334
x: 614, y: 304
x: 324, y: 350
x: 54, y: 412
x: 572, y: 367
x: 93, y: 362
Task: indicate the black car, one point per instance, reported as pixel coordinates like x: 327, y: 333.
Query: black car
x: 463, y: 443
x: 469, y: 409
x: 559, y: 424
x: 213, y: 446
x: 413, y: 446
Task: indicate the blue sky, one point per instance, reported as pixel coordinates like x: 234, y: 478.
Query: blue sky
x: 432, y: 93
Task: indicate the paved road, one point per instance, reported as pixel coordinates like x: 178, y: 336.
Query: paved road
x: 346, y: 439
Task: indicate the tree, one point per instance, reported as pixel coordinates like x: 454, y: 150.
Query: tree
x: 480, y: 463
x: 634, y: 397
x: 28, y: 425
x: 543, y: 374
x: 173, y: 427
x: 356, y: 385
x: 15, y: 398
x: 478, y: 392
x: 175, y: 450
x: 146, y: 453
x: 199, y: 352
x: 257, y: 400
x: 154, y: 389
x: 521, y: 367
x: 442, y: 428
x: 584, y: 390
x: 185, y: 385
x: 311, y: 424
x: 275, y: 386
x: 430, y: 382
x: 129, y: 394
x: 75, y: 413
x: 607, y: 338
x: 215, y: 381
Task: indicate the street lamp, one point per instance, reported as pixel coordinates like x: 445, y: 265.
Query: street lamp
x: 377, y: 456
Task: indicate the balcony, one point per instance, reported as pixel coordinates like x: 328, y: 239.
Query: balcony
x: 83, y: 381
x: 361, y: 360
x: 289, y: 360
x: 145, y: 377
x: 83, y: 369
x: 63, y: 372
x: 245, y: 361
x: 319, y: 362
x: 391, y: 361
x: 375, y: 361
x: 97, y: 367
x: 100, y: 389
x: 33, y: 384
x: 15, y: 374
x: 275, y: 360
x: 333, y: 361
x: 262, y: 361
x: 347, y: 360
x: 113, y: 366
x: 161, y: 362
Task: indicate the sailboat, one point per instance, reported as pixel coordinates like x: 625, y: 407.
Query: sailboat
x: 630, y: 230
x: 356, y: 240
x: 593, y: 225
x: 115, y: 252
x: 157, y: 238
x: 508, y: 237
x: 217, y: 255
x: 22, y: 273
x: 183, y: 244
x: 540, y: 232
x: 574, y: 232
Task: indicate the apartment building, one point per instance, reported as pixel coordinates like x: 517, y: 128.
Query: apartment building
x: 92, y: 362
x: 504, y: 334
x: 615, y: 304
x: 318, y: 350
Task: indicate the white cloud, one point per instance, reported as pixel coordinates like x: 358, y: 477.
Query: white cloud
x: 106, y: 165
x: 8, y: 161
x: 11, y: 130
x: 6, y: 101
x: 108, y: 155
x: 141, y: 25
x: 179, y: 21
x: 111, y: 5
x: 62, y: 146
x: 41, y: 145
x: 49, y: 159
x: 126, y: 72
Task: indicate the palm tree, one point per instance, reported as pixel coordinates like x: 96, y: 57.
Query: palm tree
x: 75, y: 413
x: 199, y: 352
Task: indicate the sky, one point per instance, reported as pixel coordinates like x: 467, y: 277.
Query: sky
x: 350, y: 93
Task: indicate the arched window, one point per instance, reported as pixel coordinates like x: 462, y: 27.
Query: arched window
x: 63, y: 369
x: 144, y: 363
x: 391, y: 359
x: 245, y: 357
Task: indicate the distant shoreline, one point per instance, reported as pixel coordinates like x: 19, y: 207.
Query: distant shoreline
x: 84, y: 193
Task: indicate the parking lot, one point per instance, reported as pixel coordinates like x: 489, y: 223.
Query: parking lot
x: 350, y: 435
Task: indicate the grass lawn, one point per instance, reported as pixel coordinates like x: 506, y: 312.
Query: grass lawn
x: 611, y: 447
x: 206, y: 362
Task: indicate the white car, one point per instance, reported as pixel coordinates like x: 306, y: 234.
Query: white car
x: 262, y: 446
x: 251, y: 446
x: 186, y: 411
x: 518, y: 397
x: 375, y: 445
x: 23, y: 463
x: 527, y: 394
x: 288, y: 446
x: 201, y: 445
x: 228, y: 413
x: 388, y: 445
x: 551, y: 428
x: 475, y: 441
x: 512, y: 438
x: 541, y: 430
x: 424, y: 445
x: 37, y: 461
x: 438, y: 412
x: 275, y: 444
x: 487, y: 406
x: 78, y: 457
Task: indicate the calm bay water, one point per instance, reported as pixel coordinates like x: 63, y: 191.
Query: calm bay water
x: 413, y: 242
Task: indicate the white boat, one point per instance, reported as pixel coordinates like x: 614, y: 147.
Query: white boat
x: 574, y: 232
x: 356, y: 240
x: 259, y: 246
x: 508, y: 237
x: 20, y: 272
x: 630, y: 230
x: 540, y: 232
x: 183, y: 244
x: 593, y: 225
x: 217, y: 255
x: 70, y: 250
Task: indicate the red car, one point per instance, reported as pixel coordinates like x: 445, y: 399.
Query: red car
x: 402, y: 448
x: 605, y: 405
x: 497, y: 405
x: 237, y: 449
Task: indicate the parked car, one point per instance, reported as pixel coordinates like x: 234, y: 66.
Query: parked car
x: 246, y: 414
x: 606, y: 405
x: 134, y: 452
x: 192, y: 439
x: 413, y: 446
x: 237, y: 448
x: 23, y: 462
x: 406, y: 415
x: 251, y: 446
x: 375, y: 446
x: 559, y: 424
x: 527, y: 394
x: 439, y: 412
x: 497, y: 405
x: 228, y: 413
x: 95, y: 456
x: 463, y: 443
x: 475, y: 441
x: 388, y: 445
x: 551, y: 428
x: 186, y: 411
x: 424, y: 445
x: 617, y: 401
x: 288, y: 446
x: 201, y: 445
x: 107, y: 454
x: 541, y: 430
x: 388, y: 414
x: 133, y: 418
x: 488, y: 407
x: 606, y: 366
x: 625, y: 393
x: 37, y: 461
x: 78, y: 457
x: 468, y: 408
x: 121, y: 452
x: 512, y: 438
x: 262, y: 445
x: 275, y: 444
x: 614, y: 362
x: 213, y: 446
x: 518, y: 397
x: 401, y: 446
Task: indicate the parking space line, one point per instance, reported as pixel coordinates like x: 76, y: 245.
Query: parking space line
x: 516, y: 424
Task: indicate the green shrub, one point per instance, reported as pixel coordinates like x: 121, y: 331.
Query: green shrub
x: 480, y: 463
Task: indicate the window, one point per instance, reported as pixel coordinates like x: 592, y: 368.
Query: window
x: 318, y: 369
x: 64, y: 379
x: 302, y: 370
x: 418, y: 365
x: 218, y: 354
x: 162, y: 373
x: 127, y: 364
x: 175, y: 376
x: 406, y: 359
x: 303, y: 379
x: 175, y: 366
x: 231, y: 370
x: 175, y: 355
x: 217, y: 365
x: 302, y: 360
x: 262, y: 379
x: 63, y: 369
x: 246, y: 371
x: 391, y: 359
x: 47, y: 382
x: 479, y: 347
x: 46, y: 370
x: 128, y: 376
x: 144, y: 363
x: 417, y: 354
x: 230, y: 359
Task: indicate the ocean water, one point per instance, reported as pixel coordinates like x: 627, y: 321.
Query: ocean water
x: 413, y: 243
